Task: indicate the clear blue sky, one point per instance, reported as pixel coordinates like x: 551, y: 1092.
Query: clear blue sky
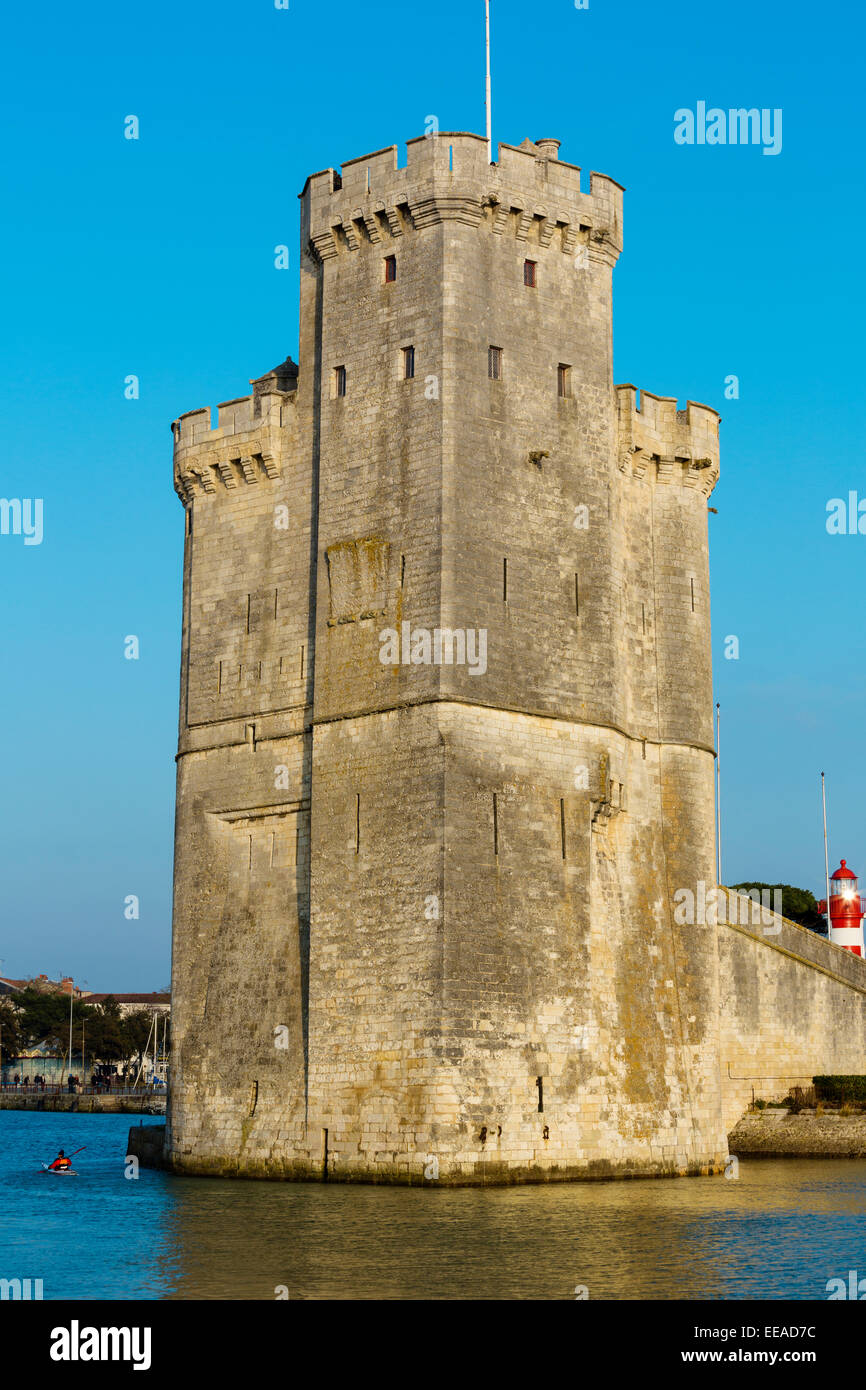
x: 155, y: 258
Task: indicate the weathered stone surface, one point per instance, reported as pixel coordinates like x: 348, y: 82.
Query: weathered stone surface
x: 147, y: 1144
x: 776, y: 1134
x: 793, y: 1006
x: 86, y: 1104
x: 424, y: 925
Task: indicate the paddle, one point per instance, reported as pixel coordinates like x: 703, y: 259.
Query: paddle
x: 70, y: 1156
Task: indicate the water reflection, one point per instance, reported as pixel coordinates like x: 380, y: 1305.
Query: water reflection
x: 779, y: 1231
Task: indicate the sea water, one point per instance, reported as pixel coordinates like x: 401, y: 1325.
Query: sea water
x: 780, y: 1229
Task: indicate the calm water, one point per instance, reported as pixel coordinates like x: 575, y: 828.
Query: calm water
x: 780, y: 1231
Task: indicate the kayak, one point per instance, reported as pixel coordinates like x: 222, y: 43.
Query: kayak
x: 69, y: 1172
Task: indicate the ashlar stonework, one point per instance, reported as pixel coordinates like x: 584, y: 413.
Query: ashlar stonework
x: 423, y: 915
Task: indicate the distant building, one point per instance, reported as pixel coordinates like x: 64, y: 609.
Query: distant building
x: 39, y: 1061
x: 43, y: 984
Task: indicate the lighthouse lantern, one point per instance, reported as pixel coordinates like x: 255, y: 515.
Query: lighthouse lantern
x: 846, y: 914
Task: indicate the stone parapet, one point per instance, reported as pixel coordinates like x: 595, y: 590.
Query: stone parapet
x: 528, y: 194
x: 668, y: 445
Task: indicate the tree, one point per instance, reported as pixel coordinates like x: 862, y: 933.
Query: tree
x: 105, y: 1031
x: 11, y: 1041
x: 798, y: 904
x: 42, y: 1016
x: 137, y: 1030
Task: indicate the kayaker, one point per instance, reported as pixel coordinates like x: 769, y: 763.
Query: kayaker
x: 61, y: 1161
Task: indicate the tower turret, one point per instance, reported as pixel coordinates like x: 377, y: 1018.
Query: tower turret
x: 501, y: 741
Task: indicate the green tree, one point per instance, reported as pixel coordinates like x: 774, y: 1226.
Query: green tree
x: 11, y: 1038
x: 798, y: 904
x: 137, y: 1029
x: 105, y: 1031
x: 42, y: 1015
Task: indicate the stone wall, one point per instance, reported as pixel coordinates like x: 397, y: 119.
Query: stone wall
x: 241, y: 891
x: 86, y: 1104
x: 147, y: 1144
x: 792, y: 1007
x: 778, y: 1134
x: 424, y: 909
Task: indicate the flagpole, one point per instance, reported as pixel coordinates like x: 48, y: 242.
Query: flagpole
x: 487, y: 95
x: 826, y: 859
x: 718, y: 793
x: 71, y: 999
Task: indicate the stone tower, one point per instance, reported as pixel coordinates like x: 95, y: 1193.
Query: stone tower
x: 446, y: 712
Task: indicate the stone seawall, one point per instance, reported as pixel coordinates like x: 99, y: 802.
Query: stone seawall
x: 779, y: 1134
x: 84, y: 1105
x: 146, y: 1143
x: 792, y: 1006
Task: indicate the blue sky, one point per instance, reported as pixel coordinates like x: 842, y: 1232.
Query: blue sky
x: 155, y: 258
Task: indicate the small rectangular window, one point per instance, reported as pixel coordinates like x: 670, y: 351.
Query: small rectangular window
x: 390, y: 269
x: 494, y: 363
x: 340, y: 381
x: 563, y: 379
x: 529, y: 268
x: 408, y: 363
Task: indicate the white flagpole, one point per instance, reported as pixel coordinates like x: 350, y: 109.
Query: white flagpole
x: 71, y: 1001
x: 719, y: 792
x: 826, y: 859
x: 487, y: 97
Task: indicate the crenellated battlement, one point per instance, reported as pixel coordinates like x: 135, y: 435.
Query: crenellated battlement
x: 247, y: 443
x: 529, y: 192
x: 681, y: 445
x: 427, y: 644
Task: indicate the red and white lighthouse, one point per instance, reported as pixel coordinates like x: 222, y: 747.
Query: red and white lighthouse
x: 846, y: 914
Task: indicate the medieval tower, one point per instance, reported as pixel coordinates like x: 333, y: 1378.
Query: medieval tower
x: 446, y: 748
